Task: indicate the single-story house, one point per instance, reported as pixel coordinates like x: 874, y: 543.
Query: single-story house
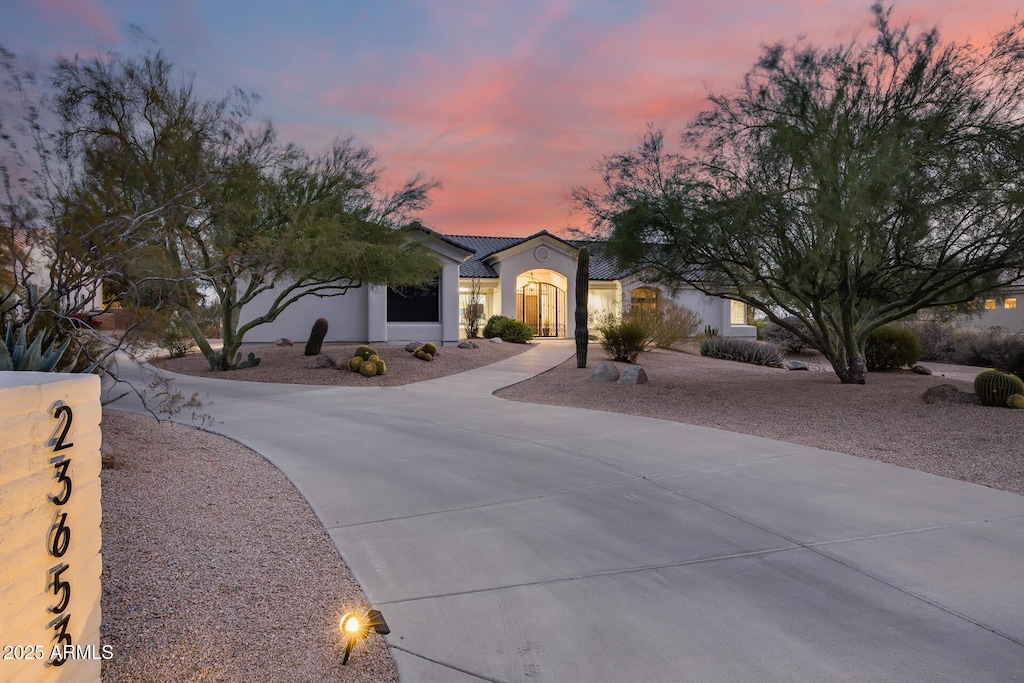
x: 532, y: 279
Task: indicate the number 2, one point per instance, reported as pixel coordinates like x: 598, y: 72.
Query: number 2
x: 63, y: 410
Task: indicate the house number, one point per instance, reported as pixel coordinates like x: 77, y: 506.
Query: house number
x: 60, y: 538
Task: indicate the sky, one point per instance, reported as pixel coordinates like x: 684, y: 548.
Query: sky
x: 508, y: 104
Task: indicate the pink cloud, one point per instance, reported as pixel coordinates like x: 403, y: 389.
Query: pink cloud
x: 81, y: 12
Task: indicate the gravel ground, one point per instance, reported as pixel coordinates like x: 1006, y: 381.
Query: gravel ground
x: 202, y: 584
x: 287, y: 364
x: 215, y: 568
x: 884, y: 419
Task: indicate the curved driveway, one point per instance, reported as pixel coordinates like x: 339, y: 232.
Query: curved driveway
x: 507, y: 541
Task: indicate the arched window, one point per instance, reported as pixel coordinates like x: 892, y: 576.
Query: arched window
x: 644, y: 299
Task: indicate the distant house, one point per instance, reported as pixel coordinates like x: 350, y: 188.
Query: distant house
x: 1006, y: 312
x: 532, y: 279
x: 28, y: 255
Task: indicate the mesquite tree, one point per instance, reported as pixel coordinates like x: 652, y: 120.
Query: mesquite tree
x: 839, y: 188
x: 582, y: 298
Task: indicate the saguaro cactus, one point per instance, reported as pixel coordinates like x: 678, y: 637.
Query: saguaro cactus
x: 582, y: 297
x: 316, y: 337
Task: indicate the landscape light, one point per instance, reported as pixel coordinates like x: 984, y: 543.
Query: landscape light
x: 355, y: 627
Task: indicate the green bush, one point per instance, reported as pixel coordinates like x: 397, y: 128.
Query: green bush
x: 623, y: 340
x: 515, y: 332
x: 176, y: 338
x: 891, y: 346
x: 667, y: 325
x: 743, y: 350
x: 492, y: 326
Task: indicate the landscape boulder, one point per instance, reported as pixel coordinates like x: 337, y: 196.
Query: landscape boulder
x: 921, y: 370
x: 949, y: 394
x: 496, y: 340
x: 633, y: 374
x: 323, y: 362
x: 468, y: 345
x: 412, y: 346
x: 796, y: 365
x: 284, y: 341
x: 605, y: 372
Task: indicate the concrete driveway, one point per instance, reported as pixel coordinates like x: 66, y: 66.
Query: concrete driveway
x: 513, y: 542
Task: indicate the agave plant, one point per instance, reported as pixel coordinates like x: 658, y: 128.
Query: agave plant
x: 16, y: 354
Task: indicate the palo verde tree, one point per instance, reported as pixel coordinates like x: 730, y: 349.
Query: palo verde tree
x: 241, y: 214
x: 839, y: 188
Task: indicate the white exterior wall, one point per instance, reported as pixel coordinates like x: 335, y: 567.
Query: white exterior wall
x: 713, y: 311
x: 347, y: 317
x: 1012, y: 319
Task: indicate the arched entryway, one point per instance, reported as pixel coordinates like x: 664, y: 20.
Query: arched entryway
x: 541, y: 302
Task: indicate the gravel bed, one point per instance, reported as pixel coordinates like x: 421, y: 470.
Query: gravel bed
x: 884, y: 419
x: 215, y: 568
x: 287, y: 364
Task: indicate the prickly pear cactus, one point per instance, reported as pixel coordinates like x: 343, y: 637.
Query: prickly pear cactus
x: 994, y: 387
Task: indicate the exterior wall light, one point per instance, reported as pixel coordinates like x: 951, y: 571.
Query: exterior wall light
x: 355, y: 627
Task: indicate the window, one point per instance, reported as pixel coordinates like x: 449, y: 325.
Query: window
x: 1010, y: 303
x: 415, y: 304
x: 644, y: 299
x: 737, y: 313
x: 990, y: 304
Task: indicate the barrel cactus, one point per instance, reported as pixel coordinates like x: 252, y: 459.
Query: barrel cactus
x: 994, y: 387
x: 353, y: 365
x: 368, y: 369
x: 365, y: 352
x: 1015, y: 401
x: 381, y: 368
x: 316, y: 337
x: 430, y: 348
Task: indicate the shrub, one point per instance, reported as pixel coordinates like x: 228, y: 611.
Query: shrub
x: 1015, y: 401
x: 994, y: 387
x: 515, y: 332
x: 743, y: 350
x: 492, y: 326
x: 176, y: 338
x: 950, y: 342
x: 667, y: 325
x: 891, y: 346
x: 623, y: 340
x: 777, y: 334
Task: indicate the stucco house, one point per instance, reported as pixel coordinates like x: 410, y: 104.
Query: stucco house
x: 532, y: 279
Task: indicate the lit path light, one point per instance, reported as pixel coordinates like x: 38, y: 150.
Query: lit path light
x: 356, y: 627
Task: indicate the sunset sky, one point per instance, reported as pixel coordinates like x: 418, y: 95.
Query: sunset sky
x: 508, y: 104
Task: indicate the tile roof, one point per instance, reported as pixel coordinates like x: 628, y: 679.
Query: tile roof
x: 602, y: 267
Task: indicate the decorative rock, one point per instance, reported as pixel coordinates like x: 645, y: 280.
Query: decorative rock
x: 468, y: 345
x: 605, y: 372
x: 796, y: 365
x: 949, y: 394
x: 284, y: 341
x: 921, y: 370
x: 495, y: 340
x: 323, y: 362
x: 633, y: 374
x: 412, y: 346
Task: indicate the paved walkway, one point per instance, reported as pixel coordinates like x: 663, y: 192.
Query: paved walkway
x: 507, y: 541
